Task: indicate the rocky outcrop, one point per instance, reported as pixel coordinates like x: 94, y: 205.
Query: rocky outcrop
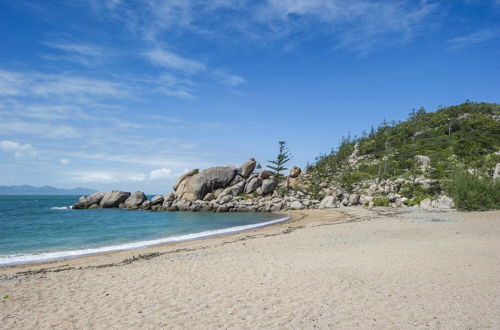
x: 114, y: 198
x: 231, y: 189
x: 184, y: 176
x: 86, y: 202
x: 195, y: 187
x: 423, y: 162
x: 496, y: 172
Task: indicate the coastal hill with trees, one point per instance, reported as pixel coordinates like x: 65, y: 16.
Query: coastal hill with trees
x: 437, y: 146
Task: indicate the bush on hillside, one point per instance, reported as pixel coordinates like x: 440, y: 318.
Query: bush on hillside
x: 471, y: 192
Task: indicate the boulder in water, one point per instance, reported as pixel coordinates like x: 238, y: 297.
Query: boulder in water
x: 114, y: 198
x: 135, y: 200
x: 86, y: 201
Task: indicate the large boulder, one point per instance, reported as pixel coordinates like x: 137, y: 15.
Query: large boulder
x: 268, y: 186
x: 135, y: 200
x: 247, y: 168
x: 296, y: 205
x: 446, y: 202
x: 184, y: 176
x: 353, y: 199
x: 157, y: 200
x: 197, y: 186
x: 265, y: 174
x: 328, y: 202
x: 233, y: 190
x: 294, y: 172
x: 252, y: 185
x: 237, y: 179
x: 86, y: 201
x: 114, y: 198
x: 426, y: 203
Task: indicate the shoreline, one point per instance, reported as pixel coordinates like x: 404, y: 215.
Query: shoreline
x: 139, y: 245
x: 329, y: 268
x: 288, y: 218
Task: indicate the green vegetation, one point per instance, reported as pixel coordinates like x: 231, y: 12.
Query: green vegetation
x: 278, y: 165
x: 466, y: 135
x: 473, y: 192
x: 381, y: 201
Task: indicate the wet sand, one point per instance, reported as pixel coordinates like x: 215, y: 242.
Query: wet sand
x: 340, y: 268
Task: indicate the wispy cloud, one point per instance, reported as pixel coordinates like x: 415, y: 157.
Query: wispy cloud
x: 357, y: 25
x: 168, y: 59
x: 472, y: 39
x: 46, y: 130
x: 228, y: 79
x: 81, y: 53
x: 61, y: 85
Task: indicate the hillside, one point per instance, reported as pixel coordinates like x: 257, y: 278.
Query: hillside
x: 427, y: 147
x: 45, y: 190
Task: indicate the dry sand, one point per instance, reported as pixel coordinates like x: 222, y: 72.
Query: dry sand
x: 343, y: 268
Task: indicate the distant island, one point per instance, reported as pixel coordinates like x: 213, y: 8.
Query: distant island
x: 45, y: 190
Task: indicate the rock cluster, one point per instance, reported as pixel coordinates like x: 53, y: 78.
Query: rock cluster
x: 231, y: 189
x: 217, y: 189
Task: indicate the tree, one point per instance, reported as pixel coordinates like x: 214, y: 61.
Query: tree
x: 278, y: 165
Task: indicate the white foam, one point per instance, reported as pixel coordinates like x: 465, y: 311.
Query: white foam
x: 61, y: 208
x: 18, y: 259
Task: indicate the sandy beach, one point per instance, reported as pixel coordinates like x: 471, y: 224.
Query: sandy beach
x: 341, y: 268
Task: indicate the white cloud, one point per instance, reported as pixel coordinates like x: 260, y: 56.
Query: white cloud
x: 137, y: 177
x: 11, y: 83
x: 472, y: 39
x: 20, y: 151
x: 26, y: 151
x: 115, y: 177
x: 7, y: 145
x: 160, y: 173
x: 64, y: 161
x: 165, y: 58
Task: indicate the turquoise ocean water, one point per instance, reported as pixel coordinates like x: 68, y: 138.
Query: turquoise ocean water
x: 42, y: 228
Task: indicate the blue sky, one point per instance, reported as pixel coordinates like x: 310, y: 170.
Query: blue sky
x: 130, y: 94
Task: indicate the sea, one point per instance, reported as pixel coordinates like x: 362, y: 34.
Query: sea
x: 43, y: 228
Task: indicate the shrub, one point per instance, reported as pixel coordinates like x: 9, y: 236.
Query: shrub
x: 381, y: 201
x: 416, y: 201
x: 471, y: 192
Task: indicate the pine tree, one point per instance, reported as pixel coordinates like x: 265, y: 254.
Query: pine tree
x: 278, y: 165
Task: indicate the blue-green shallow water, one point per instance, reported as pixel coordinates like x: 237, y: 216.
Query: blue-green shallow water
x: 40, y: 228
